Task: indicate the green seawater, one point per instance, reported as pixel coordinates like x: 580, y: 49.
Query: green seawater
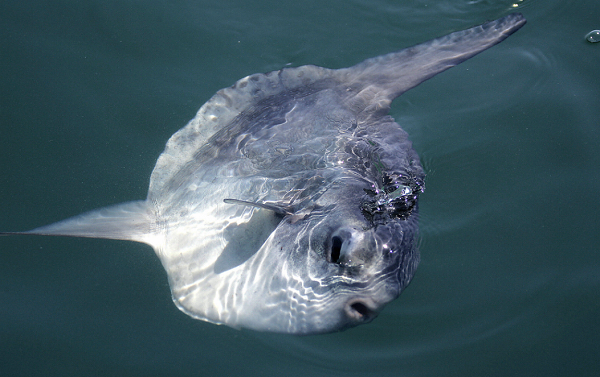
x: 509, y: 280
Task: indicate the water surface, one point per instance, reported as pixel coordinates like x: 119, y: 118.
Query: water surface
x: 509, y: 282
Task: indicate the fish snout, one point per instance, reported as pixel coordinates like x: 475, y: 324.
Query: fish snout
x: 361, y: 310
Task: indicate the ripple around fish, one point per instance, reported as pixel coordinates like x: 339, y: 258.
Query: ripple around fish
x: 464, y: 328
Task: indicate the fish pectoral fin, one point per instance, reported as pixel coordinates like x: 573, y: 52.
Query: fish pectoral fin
x: 277, y: 208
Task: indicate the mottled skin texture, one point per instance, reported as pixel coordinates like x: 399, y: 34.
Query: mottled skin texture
x: 314, y: 156
x: 290, y: 202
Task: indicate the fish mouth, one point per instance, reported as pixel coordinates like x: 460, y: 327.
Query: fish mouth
x: 360, y: 310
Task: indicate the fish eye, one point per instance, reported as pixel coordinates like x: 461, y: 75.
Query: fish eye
x: 336, y: 248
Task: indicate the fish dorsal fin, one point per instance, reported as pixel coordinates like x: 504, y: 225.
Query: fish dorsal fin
x: 221, y: 110
x: 383, y: 78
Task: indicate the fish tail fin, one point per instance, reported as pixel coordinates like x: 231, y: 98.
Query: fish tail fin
x: 132, y: 221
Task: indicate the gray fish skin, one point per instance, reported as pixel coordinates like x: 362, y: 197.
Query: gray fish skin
x: 290, y: 202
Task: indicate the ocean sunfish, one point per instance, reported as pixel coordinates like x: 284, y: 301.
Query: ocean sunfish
x: 290, y: 202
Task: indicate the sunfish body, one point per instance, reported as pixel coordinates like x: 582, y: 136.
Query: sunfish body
x: 289, y: 203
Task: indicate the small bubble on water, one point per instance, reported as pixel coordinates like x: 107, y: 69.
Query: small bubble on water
x: 593, y: 36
